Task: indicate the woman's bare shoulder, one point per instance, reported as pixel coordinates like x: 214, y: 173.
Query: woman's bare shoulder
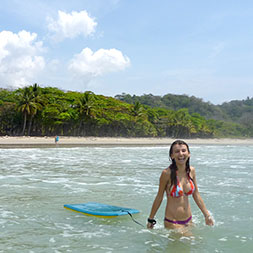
x: 165, y: 176
x: 193, y: 171
x: 166, y: 172
x: 192, y: 168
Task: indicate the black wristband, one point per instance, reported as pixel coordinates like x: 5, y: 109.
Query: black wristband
x: 152, y: 221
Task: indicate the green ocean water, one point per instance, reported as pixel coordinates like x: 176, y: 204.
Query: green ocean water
x: 36, y: 183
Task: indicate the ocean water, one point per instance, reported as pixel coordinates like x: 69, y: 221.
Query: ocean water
x: 35, y: 184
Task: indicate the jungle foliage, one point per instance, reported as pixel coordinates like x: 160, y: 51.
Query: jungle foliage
x: 239, y: 112
x: 37, y: 111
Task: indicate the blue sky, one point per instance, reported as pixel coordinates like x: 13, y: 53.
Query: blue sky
x: 193, y: 47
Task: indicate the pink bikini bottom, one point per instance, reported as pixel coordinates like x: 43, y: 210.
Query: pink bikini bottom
x: 181, y: 222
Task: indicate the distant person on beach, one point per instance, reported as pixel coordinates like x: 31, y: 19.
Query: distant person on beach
x: 178, y: 181
x: 56, y: 139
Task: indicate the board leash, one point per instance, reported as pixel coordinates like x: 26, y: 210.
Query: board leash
x: 133, y: 218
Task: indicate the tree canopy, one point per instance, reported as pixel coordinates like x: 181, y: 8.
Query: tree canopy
x: 48, y: 111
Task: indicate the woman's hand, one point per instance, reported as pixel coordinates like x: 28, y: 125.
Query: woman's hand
x: 151, y: 223
x: 209, y: 221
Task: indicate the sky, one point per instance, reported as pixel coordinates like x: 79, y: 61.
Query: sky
x: 191, y: 47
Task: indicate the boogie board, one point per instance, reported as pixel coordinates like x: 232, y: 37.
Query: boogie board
x: 100, y: 210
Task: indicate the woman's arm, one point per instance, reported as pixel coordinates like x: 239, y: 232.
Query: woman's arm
x: 199, y: 201
x: 159, y: 197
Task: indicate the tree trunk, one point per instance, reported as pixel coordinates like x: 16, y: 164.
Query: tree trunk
x: 30, y: 124
x: 24, y: 125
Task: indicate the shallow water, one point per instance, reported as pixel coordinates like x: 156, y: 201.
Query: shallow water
x: 36, y: 183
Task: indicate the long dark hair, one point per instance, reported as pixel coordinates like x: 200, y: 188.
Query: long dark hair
x: 173, y: 166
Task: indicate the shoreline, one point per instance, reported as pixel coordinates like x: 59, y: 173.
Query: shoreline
x: 23, y: 141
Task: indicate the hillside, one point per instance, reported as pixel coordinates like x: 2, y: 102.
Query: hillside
x: 240, y: 111
x: 36, y: 111
x: 234, y: 111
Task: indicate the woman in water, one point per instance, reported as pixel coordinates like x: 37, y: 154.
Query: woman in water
x: 178, y: 181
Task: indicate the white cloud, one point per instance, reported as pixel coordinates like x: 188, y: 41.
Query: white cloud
x: 89, y: 64
x: 71, y: 25
x: 20, y: 59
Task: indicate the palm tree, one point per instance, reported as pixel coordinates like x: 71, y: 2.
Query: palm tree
x: 38, y: 102
x: 29, y: 103
x: 183, y: 123
x: 84, y: 105
x: 137, y: 109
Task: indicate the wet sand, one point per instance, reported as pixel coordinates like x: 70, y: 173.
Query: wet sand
x: 11, y: 142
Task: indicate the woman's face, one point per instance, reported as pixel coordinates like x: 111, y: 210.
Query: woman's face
x: 180, y: 153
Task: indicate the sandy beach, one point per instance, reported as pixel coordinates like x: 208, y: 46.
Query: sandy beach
x: 23, y: 141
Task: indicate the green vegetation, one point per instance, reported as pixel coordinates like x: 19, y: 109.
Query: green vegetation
x: 49, y: 111
x: 232, y: 119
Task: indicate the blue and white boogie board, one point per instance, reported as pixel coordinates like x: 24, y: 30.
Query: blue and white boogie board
x: 100, y: 210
